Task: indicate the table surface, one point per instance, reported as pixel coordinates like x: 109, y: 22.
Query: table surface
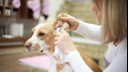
x: 9, y: 62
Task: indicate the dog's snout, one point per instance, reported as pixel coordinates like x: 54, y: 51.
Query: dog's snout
x: 28, y: 45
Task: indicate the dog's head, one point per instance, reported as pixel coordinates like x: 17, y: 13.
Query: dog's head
x: 42, y: 38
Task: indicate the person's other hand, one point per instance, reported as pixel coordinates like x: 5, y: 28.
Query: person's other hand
x: 72, y: 21
x: 64, y: 42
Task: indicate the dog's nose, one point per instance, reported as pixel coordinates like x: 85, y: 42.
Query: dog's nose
x: 28, y: 45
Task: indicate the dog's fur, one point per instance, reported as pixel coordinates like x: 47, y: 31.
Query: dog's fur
x: 42, y: 40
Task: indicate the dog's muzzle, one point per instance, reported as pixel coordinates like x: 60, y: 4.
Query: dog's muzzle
x: 28, y: 46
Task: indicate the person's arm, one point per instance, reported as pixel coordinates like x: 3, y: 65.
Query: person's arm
x: 65, y: 44
x: 119, y: 64
x: 77, y: 63
x: 90, y: 31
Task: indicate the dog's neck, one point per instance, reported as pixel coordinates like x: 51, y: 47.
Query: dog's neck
x: 53, y: 59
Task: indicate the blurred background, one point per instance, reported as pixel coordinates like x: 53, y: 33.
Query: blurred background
x: 18, y: 17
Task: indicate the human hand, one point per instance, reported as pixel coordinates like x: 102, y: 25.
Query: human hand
x: 63, y: 42
x: 72, y: 21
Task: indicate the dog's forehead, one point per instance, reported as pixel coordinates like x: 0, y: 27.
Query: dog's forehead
x: 39, y: 26
x: 44, y: 26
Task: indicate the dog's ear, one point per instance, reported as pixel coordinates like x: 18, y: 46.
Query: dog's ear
x: 58, y: 22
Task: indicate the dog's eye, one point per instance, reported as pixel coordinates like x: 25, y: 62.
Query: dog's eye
x: 41, y: 34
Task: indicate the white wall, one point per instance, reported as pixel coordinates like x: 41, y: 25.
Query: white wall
x: 55, y: 5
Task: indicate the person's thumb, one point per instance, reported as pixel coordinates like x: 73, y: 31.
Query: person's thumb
x: 62, y: 30
x: 64, y: 19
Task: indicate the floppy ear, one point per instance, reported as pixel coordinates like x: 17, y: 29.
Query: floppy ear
x: 56, y: 23
x: 59, y: 22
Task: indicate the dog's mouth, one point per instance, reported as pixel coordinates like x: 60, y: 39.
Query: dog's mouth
x: 35, y: 47
x: 29, y: 49
x: 41, y: 51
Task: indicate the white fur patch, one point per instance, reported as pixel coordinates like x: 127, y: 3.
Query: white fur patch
x: 35, y: 40
x: 43, y: 46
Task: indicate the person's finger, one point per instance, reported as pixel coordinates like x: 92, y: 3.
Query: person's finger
x: 65, y: 15
x: 56, y: 42
x: 65, y: 19
x: 62, y: 31
x: 56, y: 38
x: 58, y: 33
x: 60, y: 15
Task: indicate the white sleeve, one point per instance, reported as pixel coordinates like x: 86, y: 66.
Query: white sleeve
x: 77, y: 63
x: 119, y: 64
x: 90, y: 31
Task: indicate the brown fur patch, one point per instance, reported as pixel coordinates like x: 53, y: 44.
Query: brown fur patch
x: 89, y: 61
x: 48, y: 36
x: 36, y: 47
x: 59, y: 67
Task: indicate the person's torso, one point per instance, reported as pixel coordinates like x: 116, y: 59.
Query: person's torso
x: 114, y: 51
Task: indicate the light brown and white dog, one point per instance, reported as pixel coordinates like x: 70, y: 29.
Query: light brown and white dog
x: 42, y: 40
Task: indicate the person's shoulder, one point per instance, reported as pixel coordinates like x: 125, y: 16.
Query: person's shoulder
x: 123, y: 47
x: 122, y: 51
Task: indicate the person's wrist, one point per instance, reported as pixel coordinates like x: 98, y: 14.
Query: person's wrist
x: 67, y: 52
x: 76, y: 24
x: 70, y: 55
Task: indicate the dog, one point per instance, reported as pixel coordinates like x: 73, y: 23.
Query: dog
x: 42, y: 40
